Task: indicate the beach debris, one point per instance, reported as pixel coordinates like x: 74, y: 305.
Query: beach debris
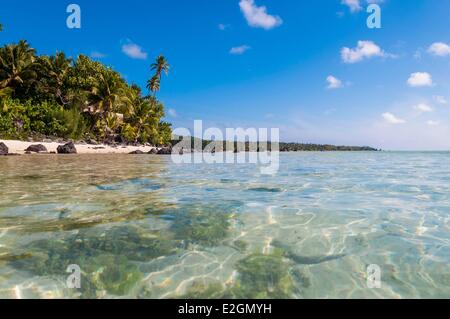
x: 68, y: 148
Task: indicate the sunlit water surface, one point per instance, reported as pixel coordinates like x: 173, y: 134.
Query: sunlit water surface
x: 141, y: 226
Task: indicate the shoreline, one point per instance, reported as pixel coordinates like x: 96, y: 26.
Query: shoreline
x: 19, y: 147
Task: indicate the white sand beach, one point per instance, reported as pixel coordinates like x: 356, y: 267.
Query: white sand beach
x: 19, y: 147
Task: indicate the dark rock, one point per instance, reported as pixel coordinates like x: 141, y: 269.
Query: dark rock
x: 165, y: 151
x: 138, y: 152
x: 37, y: 148
x: 68, y: 148
x: 3, y: 149
x: 114, y: 140
x: 119, y: 139
x: 91, y: 142
x: 28, y: 152
x: 153, y: 151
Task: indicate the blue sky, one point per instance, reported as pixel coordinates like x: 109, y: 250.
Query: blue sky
x: 312, y: 68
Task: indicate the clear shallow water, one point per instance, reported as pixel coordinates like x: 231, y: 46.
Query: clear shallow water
x: 140, y: 226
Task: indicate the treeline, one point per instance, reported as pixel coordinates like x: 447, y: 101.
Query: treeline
x: 57, y: 96
x: 298, y: 147
x: 199, y: 145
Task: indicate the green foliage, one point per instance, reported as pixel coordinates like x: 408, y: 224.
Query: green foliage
x: 59, y: 96
x: 22, y: 119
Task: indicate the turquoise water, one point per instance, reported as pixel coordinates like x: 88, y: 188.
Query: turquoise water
x: 143, y: 227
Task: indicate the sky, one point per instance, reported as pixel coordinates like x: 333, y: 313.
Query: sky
x: 312, y: 68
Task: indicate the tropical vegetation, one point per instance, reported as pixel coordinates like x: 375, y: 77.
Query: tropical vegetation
x: 58, y: 96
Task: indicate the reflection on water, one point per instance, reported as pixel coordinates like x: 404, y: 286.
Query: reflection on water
x: 141, y: 226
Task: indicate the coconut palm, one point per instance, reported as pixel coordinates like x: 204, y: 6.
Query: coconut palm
x: 160, y: 66
x: 55, y: 70
x: 108, y: 93
x: 154, y: 85
x: 17, y: 65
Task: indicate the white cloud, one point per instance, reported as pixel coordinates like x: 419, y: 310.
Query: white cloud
x: 172, y: 113
x: 439, y: 49
x: 258, y: 17
x: 354, y: 5
x: 423, y: 108
x: 420, y: 79
x: 97, y: 55
x: 440, y: 99
x: 432, y: 123
x: 392, y: 119
x: 239, y: 50
x: 134, y: 51
x: 364, y: 50
x: 334, y: 83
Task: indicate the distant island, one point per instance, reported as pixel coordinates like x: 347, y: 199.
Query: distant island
x: 193, y: 144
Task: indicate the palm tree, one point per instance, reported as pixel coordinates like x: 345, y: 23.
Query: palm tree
x: 17, y: 65
x: 161, y: 65
x: 108, y: 93
x: 55, y: 70
x: 154, y: 85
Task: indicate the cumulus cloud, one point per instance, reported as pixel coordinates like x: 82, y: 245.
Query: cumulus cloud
x: 432, y: 123
x: 239, y: 50
x: 392, y: 119
x: 419, y: 79
x: 134, y: 51
x: 334, y: 83
x: 258, y: 17
x: 353, y: 5
x: 364, y: 50
x: 439, y: 49
x: 440, y: 99
x: 356, y: 6
x: 423, y: 108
